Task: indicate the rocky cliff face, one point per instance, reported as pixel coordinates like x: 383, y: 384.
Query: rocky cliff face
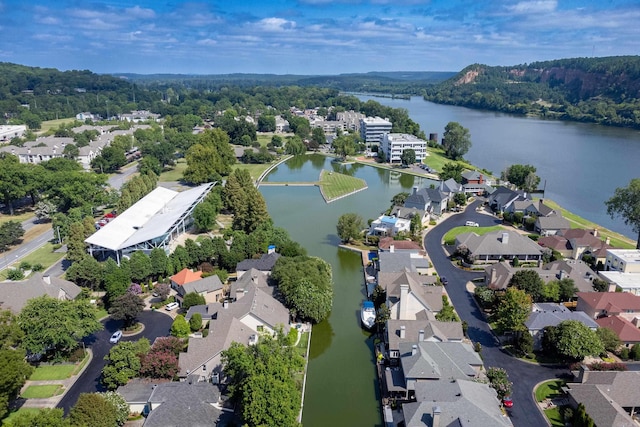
x: 587, y: 85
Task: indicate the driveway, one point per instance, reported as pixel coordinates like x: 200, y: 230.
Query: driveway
x: 156, y: 324
x: 524, y: 375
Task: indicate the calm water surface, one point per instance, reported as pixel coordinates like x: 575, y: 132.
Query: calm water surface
x: 582, y: 163
x: 342, y: 388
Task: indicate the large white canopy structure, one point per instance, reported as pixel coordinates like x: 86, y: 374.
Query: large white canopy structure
x: 151, y: 222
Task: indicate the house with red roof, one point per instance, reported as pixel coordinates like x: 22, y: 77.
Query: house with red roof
x: 183, y: 277
x: 602, y: 304
x: 627, y: 331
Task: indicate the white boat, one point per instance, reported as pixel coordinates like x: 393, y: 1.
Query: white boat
x: 368, y: 314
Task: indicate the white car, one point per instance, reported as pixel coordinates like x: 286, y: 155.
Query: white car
x: 171, y: 306
x: 472, y: 224
x: 115, y: 337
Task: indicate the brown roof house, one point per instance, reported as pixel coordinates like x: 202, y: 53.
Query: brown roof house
x: 14, y: 295
x: 601, y: 304
x: 574, y: 242
x: 501, y: 244
x: 402, y: 331
x: 627, y: 331
x: 550, y: 225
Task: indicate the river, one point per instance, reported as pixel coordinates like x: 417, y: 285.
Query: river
x: 581, y: 163
x: 341, y: 385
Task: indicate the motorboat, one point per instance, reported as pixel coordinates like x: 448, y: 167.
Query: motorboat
x: 368, y: 314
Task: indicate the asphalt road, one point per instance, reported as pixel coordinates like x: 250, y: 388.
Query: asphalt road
x: 523, y: 375
x: 156, y: 324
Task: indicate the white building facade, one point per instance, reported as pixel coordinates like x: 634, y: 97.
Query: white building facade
x: 372, y: 129
x: 394, y: 144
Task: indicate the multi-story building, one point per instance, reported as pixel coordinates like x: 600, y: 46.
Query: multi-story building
x: 394, y: 144
x: 7, y: 133
x: 372, y: 129
x: 623, y: 260
x: 351, y: 119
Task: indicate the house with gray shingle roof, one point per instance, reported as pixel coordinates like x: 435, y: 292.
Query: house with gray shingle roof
x: 550, y: 225
x: 137, y: 392
x: 501, y: 198
x: 418, y: 199
x: 253, y: 313
x: 14, y: 295
x: 185, y: 404
x: 252, y: 277
x: 552, y: 314
x: 210, y: 287
x: 535, y: 208
x: 264, y: 264
x: 610, y: 398
x: 411, y: 296
x: 454, y: 403
x: 432, y: 362
x: 499, y: 244
x: 398, y: 262
x: 412, y: 331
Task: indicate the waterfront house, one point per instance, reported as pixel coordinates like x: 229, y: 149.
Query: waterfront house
x: 501, y: 198
x: 454, y: 403
x: 264, y: 264
x: 497, y: 245
x: 552, y: 314
x: 550, y: 225
x: 418, y: 199
x: 399, y: 262
x: 527, y: 207
x: 411, y: 296
x: 386, y: 225
x: 210, y: 287
x: 412, y: 331
x: 408, y: 213
x: 391, y: 245
x: 575, y: 242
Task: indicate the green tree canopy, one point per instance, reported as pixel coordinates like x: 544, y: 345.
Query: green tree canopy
x: 349, y: 226
x: 50, y: 323
x: 408, y: 157
x: 456, y: 141
x: 93, y: 410
x: 123, y: 362
x: 191, y: 299
x: 529, y: 281
x: 575, y: 341
x: 625, y: 203
x: 11, y: 233
x: 45, y: 417
x: 452, y: 170
x: 609, y: 339
x: 126, y: 308
x: 522, y: 176
x: 180, y: 328
x: 14, y: 371
x: 513, y: 310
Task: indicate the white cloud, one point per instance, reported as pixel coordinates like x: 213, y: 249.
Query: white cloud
x: 140, y: 13
x: 51, y: 37
x: 275, y: 24
x: 48, y: 20
x: 207, y: 42
x: 534, y: 6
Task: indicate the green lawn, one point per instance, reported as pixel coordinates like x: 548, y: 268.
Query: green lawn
x: 255, y: 170
x: 174, y: 173
x: 617, y: 240
x: 53, y: 372
x: 54, y: 124
x: 42, y: 391
x: 436, y: 160
x: 450, y: 237
x: 21, y: 216
x: 44, y: 255
x: 549, y: 389
x: 334, y: 185
x: 554, y: 417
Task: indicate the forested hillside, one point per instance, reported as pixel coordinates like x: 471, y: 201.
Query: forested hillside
x: 599, y: 90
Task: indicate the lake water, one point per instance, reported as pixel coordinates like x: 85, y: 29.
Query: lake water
x: 341, y: 386
x: 582, y: 164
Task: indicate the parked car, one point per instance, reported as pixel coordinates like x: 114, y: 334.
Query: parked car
x: 115, y: 337
x: 171, y: 306
x: 471, y: 224
x: 444, y: 281
x: 507, y: 401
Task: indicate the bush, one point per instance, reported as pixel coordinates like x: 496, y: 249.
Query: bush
x: 15, y: 274
x: 635, y: 352
x: 37, y: 267
x: 600, y: 366
x: 624, y: 354
x: 25, y: 265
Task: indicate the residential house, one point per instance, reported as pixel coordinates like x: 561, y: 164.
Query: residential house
x: 7, y: 133
x: 550, y: 225
x: 418, y: 199
x: 408, y: 213
x: 386, y: 225
x: 439, y: 200
x: 137, y: 392
x: 551, y: 314
x: 84, y: 116
x: 602, y: 304
x: 497, y: 245
x: 450, y: 187
x: 528, y: 207
x: 501, y: 198
x: 391, y: 245
x: 575, y: 242
x: 264, y: 264
x: 14, y: 295
x: 210, y: 287
x: 474, y: 182
x: 454, y: 403
x: 411, y: 296
x: 628, y: 332
x: 139, y: 116
x: 398, y: 262
x: 254, y: 312
x: 498, y: 275
x: 282, y: 125
x: 250, y: 278
x: 183, y: 277
x: 436, y: 362
x: 412, y: 331
x: 610, y: 398
x: 185, y: 404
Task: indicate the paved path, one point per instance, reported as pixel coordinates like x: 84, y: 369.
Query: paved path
x: 525, y: 411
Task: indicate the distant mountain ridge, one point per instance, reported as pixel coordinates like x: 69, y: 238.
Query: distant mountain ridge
x: 601, y: 90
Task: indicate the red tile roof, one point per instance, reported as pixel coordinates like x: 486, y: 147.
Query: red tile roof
x: 185, y: 276
x: 608, y: 300
x: 625, y: 330
x: 386, y: 242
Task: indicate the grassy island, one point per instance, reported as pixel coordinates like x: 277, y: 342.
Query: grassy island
x: 334, y: 186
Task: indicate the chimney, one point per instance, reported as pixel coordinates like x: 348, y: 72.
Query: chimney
x: 561, y: 274
x: 239, y: 294
x: 414, y: 350
x: 225, y: 304
x: 607, y: 241
x: 402, y: 331
x: 46, y: 279
x: 595, y: 232
x: 494, y: 277
x: 404, y: 302
x: 505, y: 238
x: 435, y: 415
x: 421, y: 335
x: 583, y: 374
x: 392, y: 248
x: 415, y: 190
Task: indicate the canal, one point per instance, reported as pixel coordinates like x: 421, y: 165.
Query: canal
x: 341, y: 386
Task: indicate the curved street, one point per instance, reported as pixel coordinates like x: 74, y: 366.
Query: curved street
x: 156, y: 324
x: 525, y: 376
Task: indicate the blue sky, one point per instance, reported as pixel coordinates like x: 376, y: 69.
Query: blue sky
x: 310, y: 36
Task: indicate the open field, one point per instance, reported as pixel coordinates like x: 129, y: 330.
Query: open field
x: 436, y: 160
x: 334, y: 185
x: 450, y: 237
x: 22, y: 216
x: 42, y: 391
x: 52, y: 124
x: 174, y: 173
x: 617, y: 240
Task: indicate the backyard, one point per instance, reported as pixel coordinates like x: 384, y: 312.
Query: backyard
x: 551, y: 398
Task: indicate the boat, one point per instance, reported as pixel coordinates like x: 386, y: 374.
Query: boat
x: 368, y: 314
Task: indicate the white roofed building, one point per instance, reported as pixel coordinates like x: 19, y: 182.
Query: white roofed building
x: 152, y: 222
x: 372, y: 129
